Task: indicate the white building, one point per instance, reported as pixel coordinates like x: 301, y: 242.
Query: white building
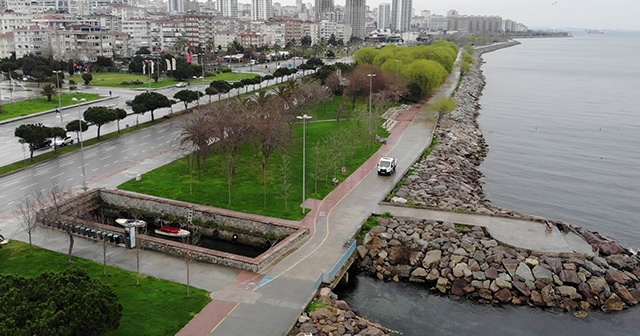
x: 354, y: 15
x: 175, y: 6
x: 401, y: 15
x: 7, y: 45
x: 384, y: 16
x: 261, y: 10
x: 228, y: 8
x: 30, y: 40
x: 10, y: 21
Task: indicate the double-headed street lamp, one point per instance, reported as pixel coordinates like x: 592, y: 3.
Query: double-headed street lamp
x: 59, y: 108
x: 371, y: 75
x: 304, y: 119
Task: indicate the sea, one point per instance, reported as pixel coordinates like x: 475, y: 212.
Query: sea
x: 561, y: 117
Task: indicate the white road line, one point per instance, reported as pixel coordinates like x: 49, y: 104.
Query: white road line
x: 126, y: 157
x: 128, y: 142
x: 91, y: 155
x: 145, y: 136
x: 66, y: 163
x: 10, y: 202
x: 116, y: 161
x: 68, y: 180
x: 106, y: 165
x: 10, y: 183
x: 104, y: 158
x: 144, y: 144
x: 40, y: 173
x: 96, y: 169
x: 124, y: 150
x: 29, y: 186
x: 56, y: 176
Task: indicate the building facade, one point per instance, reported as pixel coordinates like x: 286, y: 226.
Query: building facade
x: 355, y: 15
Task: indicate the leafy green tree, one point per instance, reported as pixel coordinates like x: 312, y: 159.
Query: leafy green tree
x: 426, y: 73
x: 187, y: 96
x: 32, y: 135
x: 183, y: 70
x: 143, y: 51
x: 104, y: 62
x: 365, y: 55
x: 65, y: 303
x: 305, y: 41
x: 57, y: 132
x: 99, y: 115
x: 49, y: 90
x: 120, y: 114
x: 332, y: 41
x: 87, y: 78
x: 8, y: 66
x: 77, y: 126
x: 221, y: 86
x: 149, y: 102
x: 179, y: 45
x: 210, y: 91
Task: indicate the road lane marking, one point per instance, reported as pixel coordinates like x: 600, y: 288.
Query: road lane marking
x: 116, y: 161
x: 105, y: 157
x: 66, y: 163
x: 56, y: 176
x: 70, y: 179
x: 10, y: 183
x: 124, y: 150
x: 29, y: 186
x: 40, y: 173
x: 145, y: 136
x: 96, y: 169
x: 91, y: 155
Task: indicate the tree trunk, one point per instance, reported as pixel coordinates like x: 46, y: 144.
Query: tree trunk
x: 152, y: 116
x: 70, y: 245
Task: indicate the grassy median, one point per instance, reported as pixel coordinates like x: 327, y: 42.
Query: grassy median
x: 155, y: 307
x: 115, y: 79
x: 36, y: 105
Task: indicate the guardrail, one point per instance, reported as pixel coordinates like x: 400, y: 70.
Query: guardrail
x: 352, y: 247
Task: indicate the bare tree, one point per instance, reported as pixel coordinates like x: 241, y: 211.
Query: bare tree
x: 51, y: 213
x: 230, y: 122
x: 196, y: 135
x: 189, y: 256
x: 26, y: 212
x: 269, y: 134
x: 286, y: 189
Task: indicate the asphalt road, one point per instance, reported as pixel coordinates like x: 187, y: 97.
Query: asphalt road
x: 13, y: 151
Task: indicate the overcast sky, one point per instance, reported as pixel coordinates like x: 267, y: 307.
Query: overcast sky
x: 604, y: 14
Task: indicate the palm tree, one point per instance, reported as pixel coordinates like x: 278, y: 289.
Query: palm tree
x: 48, y: 90
x: 180, y: 45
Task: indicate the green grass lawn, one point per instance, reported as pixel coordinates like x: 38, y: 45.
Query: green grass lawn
x: 35, y: 105
x: 155, y: 307
x: 174, y: 180
x: 115, y: 79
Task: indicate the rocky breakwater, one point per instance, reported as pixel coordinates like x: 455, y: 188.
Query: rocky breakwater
x: 465, y: 262
x: 448, y: 177
x: 331, y: 316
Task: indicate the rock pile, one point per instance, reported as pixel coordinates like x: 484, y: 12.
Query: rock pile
x: 333, y: 317
x: 464, y: 262
x: 448, y: 177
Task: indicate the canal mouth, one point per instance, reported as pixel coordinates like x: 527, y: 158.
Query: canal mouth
x: 207, y: 234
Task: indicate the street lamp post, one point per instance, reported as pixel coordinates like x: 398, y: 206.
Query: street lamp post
x: 304, y: 119
x: 371, y: 75
x: 84, y: 178
x: 149, y: 65
x: 59, y: 108
x: 398, y: 67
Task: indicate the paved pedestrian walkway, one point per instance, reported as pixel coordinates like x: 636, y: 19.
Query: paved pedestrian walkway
x: 528, y: 235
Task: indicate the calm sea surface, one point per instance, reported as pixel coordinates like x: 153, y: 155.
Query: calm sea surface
x: 562, y: 121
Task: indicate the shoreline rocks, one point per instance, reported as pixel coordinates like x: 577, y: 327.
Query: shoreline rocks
x: 334, y: 317
x: 465, y: 262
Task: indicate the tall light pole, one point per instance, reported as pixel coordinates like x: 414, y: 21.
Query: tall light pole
x: 150, y: 66
x: 398, y: 67
x: 371, y: 75
x: 59, y: 108
x: 304, y: 119
x: 84, y: 178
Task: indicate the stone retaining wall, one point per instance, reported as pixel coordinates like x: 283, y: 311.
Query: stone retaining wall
x: 290, y: 236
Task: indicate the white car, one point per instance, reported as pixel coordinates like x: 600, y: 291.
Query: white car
x: 386, y: 165
x: 181, y: 84
x: 61, y: 142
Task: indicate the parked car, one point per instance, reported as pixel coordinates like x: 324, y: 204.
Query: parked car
x: 129, y: 102
x: 386, y: 165
x: 58, y: 142
x: 44, y: 144
x: 181, y: 84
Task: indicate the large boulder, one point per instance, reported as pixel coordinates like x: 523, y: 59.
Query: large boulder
x: 624, y: 294
x: 542, y: 274
x: 432, y: 258
x: 503, y: 295
x: 613, y: 303
x: 615, y: 276
x: 523, y: 272
x: 510, y: 265
x: 598, y: 285
x: 569, y: 276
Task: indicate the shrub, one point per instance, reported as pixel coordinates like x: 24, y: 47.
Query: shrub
x: 443, y: 105
x: 72, y: 82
